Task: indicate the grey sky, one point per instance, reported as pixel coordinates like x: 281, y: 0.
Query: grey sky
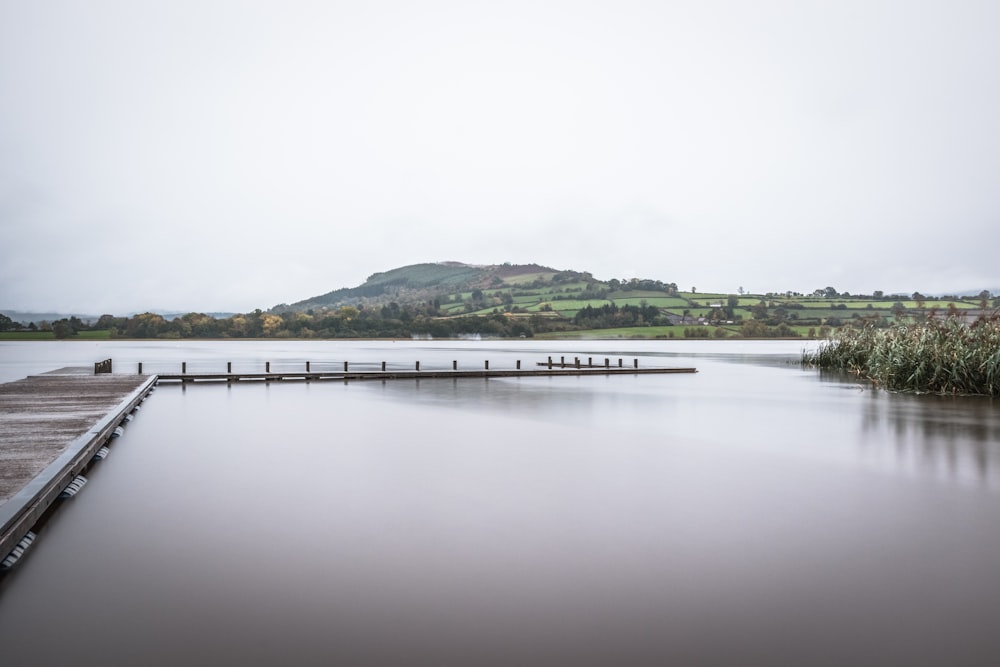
x: 215, y: 155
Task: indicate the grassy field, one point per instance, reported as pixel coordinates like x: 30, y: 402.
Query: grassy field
x: 639, y: 294
x: 101, y: 334
x: 622, y: 332
x: 660, y: 301
x: 665, y: 332
x: 27, y: 335
x: 703, y: 296
x: 557, y: 299
x: 526, y: 278
x: 544, y: 294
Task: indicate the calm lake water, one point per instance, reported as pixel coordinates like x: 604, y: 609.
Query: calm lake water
x: 752, y: 513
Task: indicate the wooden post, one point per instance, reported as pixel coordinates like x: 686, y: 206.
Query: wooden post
x: 487, y: 364
x: 229, y: 367
x: 383, y: 367
x: 184, y: 367
x: 418, y: 365
x: 607, y: 362
x: 562, y: 361
x: 307, y: 367
x: 619, y: 362
x: 454, y: 364
x: 590, y: 361
x: 576, y: 360
x: 345, y: 366
x: 267, y: 366
x: 550, y: 363
x: 518, y: 364
x: 636, y: 363
x: 140, y: 368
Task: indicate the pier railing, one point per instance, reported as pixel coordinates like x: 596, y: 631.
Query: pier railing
x: 186, y: 371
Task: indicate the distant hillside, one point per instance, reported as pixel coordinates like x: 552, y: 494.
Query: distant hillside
x: 975, y: 293
x: 37, y: 318
x: 450, y: 299
x: 453, y: 288
x: 173, y: 314
x: 424, y: 282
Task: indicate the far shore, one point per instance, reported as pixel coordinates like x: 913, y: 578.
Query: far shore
x: 593, y: 334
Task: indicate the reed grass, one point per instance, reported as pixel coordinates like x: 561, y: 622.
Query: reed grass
x: 942, y: 356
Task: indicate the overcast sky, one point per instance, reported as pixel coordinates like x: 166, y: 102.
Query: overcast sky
x: 212, y: 155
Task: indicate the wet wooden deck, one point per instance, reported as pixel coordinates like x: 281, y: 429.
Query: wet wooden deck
x: 50, y: 427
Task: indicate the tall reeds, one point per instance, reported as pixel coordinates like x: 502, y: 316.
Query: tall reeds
x: 943, y: 356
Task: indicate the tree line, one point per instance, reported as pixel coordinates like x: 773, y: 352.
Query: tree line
x: 389, y: 321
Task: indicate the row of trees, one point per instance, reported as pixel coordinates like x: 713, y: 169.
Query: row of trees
x: 63, y: 328
x: 610, y: 315
x: 391, y: 321
x: 832, y: 293
x: 763, y: 319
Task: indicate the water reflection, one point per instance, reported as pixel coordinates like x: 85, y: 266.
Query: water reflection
x: 956, y: 438
x: 748, y: 514
x: 530, y: 398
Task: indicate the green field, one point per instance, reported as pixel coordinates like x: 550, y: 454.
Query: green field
x: 668, y: 332
x: 622, y: 332
x: 705, y: 296
x: 558, y: 300
x: 27, y: 335
x: 660, y: 301
x: 558, y: 297
x: 639, y: 294
x: 101, y: 334
x: 525, y: 278
x: 526, y: 299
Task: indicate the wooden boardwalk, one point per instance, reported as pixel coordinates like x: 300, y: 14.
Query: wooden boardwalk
x: 366, y: 371
x: 50, y: 427
x: 413, y: 374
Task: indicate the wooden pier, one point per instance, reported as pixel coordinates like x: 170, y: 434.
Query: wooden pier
x: 306, y: 371
x: 51, y: 426
x: 410, y: 375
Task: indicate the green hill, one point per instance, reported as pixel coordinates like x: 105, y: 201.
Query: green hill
x: 542, y: 300
x: 423, y: 282
x: 452, y: 299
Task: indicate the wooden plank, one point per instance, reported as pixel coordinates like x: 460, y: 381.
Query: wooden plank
x: 48, y: 426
